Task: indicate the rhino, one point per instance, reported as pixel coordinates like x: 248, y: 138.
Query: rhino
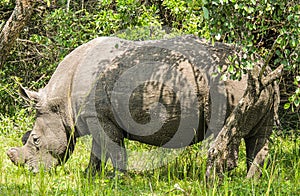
x: 166, y: 93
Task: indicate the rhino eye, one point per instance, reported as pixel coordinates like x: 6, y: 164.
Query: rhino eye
x: 36, y: 141
x: 55, y: 108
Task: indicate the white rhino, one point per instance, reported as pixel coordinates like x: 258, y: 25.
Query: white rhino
x: 158, y: 92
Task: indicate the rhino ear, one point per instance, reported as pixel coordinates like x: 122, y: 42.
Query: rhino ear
x: 25, y: 137
x: 29, y: 95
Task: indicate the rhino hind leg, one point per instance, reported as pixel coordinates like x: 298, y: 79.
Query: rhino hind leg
x: 257, y: 147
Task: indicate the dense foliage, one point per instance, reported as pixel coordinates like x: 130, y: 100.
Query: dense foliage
x: 269, y: 28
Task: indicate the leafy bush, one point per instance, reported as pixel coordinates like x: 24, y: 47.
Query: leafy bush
x: 269, y: 28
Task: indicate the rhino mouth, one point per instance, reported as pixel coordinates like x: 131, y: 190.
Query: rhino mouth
x: 33, y: 163
x: 45, y: 163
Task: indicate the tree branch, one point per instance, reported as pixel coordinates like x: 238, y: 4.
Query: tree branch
x: 14, y: 26
x: 267, y: 80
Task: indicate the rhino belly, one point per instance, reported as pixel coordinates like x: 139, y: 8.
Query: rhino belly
x: 159, y: 117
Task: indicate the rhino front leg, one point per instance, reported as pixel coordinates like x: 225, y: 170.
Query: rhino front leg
x: 118, y: 155
x: 107, y: 144
x: 114, y: 145
x: 99, y: 156
x: 95, y: 164
x: 233, y: 153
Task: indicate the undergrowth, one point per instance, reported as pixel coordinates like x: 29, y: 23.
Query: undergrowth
x: 183, y: 176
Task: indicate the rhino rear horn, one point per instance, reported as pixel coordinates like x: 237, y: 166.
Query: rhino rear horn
x: 29, y: 95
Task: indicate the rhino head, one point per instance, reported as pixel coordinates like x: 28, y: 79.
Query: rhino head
x: 51, y: 142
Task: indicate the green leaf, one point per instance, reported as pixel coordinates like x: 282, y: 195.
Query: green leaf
x: 292, y: 98
x: 297, y: 102
x: 231, y: 69
x: 236, y: 6
x: 204, y: 2
x: 223, y: 77
x: 287, y: 106
x: 206, y: 12
x: 214, y: 75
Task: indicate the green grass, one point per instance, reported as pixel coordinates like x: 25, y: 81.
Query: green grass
x: 184, y: 176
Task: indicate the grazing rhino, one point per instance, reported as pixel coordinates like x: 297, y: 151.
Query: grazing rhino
x: 158, y: 92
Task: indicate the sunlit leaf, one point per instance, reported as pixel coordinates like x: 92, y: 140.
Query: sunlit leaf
x: 287, y: 106
x: 206, y: 12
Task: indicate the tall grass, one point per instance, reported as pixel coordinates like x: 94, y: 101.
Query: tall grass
x: 184, y: 176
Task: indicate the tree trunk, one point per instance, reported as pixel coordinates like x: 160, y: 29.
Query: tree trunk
x: 14, y: 26
x: 228, y: 139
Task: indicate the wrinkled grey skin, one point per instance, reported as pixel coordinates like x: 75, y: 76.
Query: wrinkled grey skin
x: 84, y: 97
